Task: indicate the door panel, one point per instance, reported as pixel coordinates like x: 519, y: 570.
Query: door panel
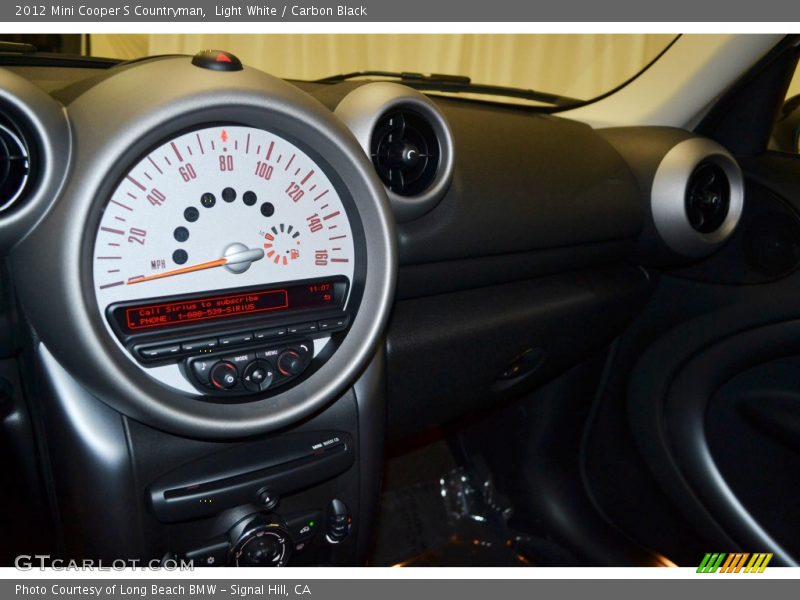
x: 707, y: 386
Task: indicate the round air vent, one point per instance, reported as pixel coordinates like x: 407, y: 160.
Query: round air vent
x: 35, y: 153
x: 708, y: 195
x: 697, y: 197
x: 408, y: 141
x: 14, y: 164
x: 405, y: 152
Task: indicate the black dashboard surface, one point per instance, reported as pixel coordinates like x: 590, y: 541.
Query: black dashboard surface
x: 516, y: 305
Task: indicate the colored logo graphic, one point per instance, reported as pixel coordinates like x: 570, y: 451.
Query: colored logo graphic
x: 720, y: 562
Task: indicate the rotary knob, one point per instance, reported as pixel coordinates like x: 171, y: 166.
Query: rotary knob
x: 290, y: 363
x: 262, y: 546
x: 224, y: 375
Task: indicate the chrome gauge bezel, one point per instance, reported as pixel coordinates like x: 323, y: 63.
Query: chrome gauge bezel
x: 668, y: 196
x: 364, y: 106
x: 173, y: 374
x: 116, y: 120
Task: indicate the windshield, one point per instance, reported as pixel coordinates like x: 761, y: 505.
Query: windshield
x: 579, y: 67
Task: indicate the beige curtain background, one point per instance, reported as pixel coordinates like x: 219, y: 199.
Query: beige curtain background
x: 577, y: 65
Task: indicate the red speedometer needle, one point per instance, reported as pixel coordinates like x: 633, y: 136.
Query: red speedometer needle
x: 237, y: 254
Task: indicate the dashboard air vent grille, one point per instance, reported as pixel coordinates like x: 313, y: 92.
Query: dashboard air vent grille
x: 707, y: 197
x: 405, y: 151
x: 14, y: 164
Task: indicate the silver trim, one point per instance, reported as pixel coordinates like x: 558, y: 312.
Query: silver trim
x: 23, y: 147
x: 360, y: 111
x: 47, y: 122
x: 668, y: 192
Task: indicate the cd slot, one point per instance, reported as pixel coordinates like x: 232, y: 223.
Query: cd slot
x: 239, y: 476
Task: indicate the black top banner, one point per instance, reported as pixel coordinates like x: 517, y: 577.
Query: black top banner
x: 438, y: 11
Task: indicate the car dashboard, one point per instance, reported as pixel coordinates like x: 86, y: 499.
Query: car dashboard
x: 227, y: 293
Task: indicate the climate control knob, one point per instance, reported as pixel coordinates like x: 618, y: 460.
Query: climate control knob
x: 290, y: 363
x: 261, y: 544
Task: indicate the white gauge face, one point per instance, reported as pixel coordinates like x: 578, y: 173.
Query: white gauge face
x: 219, y: 208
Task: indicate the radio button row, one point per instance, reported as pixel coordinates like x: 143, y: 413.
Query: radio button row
x: 153, y: 352
x: 336, y: 323
x: 268, y: 334
x: 302, y: 328
x: 234, y: 340
x: 164, y: 351
x: 198, y: 345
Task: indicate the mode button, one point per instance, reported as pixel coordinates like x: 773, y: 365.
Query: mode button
x: 241, y: 359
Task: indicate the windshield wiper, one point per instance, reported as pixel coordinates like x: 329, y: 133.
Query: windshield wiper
x: 454, y: 83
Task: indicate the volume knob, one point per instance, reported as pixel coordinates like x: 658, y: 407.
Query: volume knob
x: 224, y: 375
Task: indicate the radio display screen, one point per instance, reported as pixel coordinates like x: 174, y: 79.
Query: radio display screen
x: 152, y: 316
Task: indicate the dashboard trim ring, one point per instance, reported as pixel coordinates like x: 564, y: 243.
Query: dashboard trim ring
x: 140, y: 114
x: 172, y: 375
x: 668, y: 196
x: 361, y: 110
x: 45, y: 121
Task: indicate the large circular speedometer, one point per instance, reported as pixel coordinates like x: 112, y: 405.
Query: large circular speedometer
x: 213, y: 229
x: 218, y: 208
x: 221, y: 258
